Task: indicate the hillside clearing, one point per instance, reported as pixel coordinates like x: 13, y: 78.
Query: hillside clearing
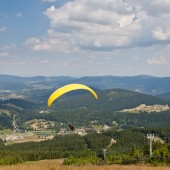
x: 149, y: 109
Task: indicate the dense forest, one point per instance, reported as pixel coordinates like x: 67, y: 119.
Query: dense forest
x: 108, y: 100
x: 5, y: 121
x: 83, y: 117
x: 131, y: 147
x: 81, y: 107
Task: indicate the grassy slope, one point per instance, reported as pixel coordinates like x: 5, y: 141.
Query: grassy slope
x: 57, y: 165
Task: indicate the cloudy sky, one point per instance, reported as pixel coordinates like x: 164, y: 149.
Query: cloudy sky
x: 85, y: 37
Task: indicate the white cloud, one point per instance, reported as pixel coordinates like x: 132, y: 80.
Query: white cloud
x: 53, y: 42
x: 18, y: 14
x: 126, y: 20
x: 44, y: 61
x: 159, y: 34
x: 22, y: 63
x: 161, y: 60
x: 103, y: 25
x: 106, y: 58
x: 168, y: 47
x: 36, y: 44
x: 136, y: 58
x: 48, y: 0
x: 161, y: 2
x: 3, y: 29
x: 160, y: 56
x: 91, y: 57
x: 3, y: 54
x: 9, y: 47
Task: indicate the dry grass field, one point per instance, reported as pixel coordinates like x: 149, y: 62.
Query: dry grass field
x: 57, y: 165
x: 149, y: 109
x: 32, y: 138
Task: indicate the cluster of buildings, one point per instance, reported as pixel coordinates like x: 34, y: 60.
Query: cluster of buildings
x: 12, y: 138
x: 9, y: 94
x: 79, y: 131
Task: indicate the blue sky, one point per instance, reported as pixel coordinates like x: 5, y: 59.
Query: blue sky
x: 85, y: 37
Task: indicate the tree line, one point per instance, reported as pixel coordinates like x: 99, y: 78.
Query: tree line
x: 131, y: 147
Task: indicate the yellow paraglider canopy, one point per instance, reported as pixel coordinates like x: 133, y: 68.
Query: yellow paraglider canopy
x: 59, y: 92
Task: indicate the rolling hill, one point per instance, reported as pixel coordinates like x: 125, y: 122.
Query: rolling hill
x: 8, y: 82
x: 141, y: 83
x: 165, y: 96
x: 108, y: 100
x: 80, y: 107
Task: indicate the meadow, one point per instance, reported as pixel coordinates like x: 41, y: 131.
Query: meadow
x: 57, y: 164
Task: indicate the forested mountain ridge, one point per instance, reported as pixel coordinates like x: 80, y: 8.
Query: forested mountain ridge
x: 140, y: 83
x: 112, y: 100
x: 165, y: 96
x: 108, y: 100
x: 74, y: 105
x: 8, y: 82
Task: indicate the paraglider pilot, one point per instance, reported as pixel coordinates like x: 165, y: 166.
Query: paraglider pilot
x: 71, y: 127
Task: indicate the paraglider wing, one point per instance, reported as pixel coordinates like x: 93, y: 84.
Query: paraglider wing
x: 59, y: 92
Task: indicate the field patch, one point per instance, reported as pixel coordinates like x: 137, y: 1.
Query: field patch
x: 149, y: 109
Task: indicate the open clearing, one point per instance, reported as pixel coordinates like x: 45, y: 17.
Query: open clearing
x: 148, y: 109
x: 12, y: 137
x: 57, y: 165
x: 39, y: 124
x: 97, y: 128
x: 33, y: 138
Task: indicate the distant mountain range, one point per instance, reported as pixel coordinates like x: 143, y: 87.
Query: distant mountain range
x: 142, y: 83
